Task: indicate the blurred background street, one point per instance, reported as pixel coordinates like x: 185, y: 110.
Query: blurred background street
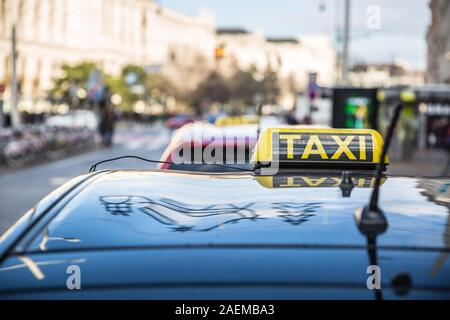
x: 86, y: 80
x: 22, y: 188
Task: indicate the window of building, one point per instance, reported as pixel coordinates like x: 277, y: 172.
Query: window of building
x: 3, y: 9
x: 108, y: 17
x: 144, y: 26
x: 37, y: 17
x: 7, y: 69
x: 20, y: 12
x: 51, y: 15
x: 65, y: 16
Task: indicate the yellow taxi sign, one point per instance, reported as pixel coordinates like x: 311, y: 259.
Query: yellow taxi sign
x: 317, y: 146
x: 237, y: 120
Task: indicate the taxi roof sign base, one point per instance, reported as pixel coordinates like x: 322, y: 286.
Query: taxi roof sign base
x: 346, y: 184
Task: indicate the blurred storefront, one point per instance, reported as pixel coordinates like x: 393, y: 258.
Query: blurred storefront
x: 355, y: 107
x: 425, y: 121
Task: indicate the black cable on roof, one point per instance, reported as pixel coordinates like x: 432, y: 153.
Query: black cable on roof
x: 94, y: 167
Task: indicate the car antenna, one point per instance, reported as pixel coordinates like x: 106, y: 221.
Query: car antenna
x: 371, y: 220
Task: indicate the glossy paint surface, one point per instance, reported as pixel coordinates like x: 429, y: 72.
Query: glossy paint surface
x: 164, y: 235
x: 126, y: 209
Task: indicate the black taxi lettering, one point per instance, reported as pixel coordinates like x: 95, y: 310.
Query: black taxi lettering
x: 324, y: 147
x: 324, y: 181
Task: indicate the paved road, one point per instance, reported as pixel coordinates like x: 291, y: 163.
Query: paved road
x: 21, y: 189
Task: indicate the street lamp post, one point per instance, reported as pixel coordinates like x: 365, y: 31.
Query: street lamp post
x: 346, y: 37
x: 15, y: 118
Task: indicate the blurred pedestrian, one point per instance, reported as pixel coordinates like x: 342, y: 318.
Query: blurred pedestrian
x: 290, y: 118
x: 106, y: 126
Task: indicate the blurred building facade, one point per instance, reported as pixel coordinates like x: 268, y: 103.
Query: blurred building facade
x: 293, y: 59
x: 385, y: 75
x: 438, y: 38
x: 112, y: 33
x: 241, y: 50
x: 180, y: 46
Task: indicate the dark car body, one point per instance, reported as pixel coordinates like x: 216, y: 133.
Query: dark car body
x: 174, y: 235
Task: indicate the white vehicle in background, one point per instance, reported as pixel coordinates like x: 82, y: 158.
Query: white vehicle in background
x: 75, y: 119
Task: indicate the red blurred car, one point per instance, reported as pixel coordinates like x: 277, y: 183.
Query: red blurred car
x: 179, y: 120
x: 202, y: 141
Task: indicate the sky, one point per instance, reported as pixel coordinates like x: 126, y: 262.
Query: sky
x: 401, y: 33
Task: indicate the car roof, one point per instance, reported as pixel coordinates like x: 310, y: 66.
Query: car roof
x: 124, y: 209
x: 156, y: 235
